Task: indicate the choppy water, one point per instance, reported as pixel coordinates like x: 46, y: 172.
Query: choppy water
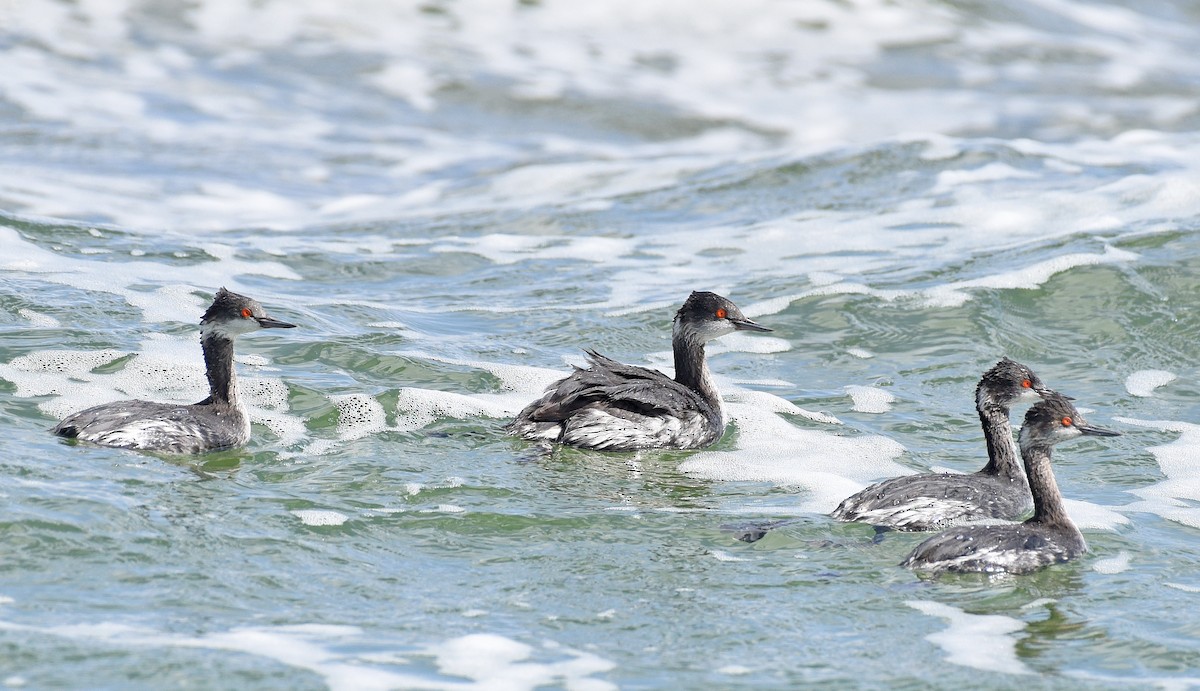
x: 452, y: 198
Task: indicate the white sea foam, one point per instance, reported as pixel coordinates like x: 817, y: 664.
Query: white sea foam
x: 1113, y: 565
x: 1144, y: 382
x: 949, y: 180
x: 417, y: 408
x: 734, y: 670
x: 1089, y: 516
x: 359, y: 415
x: 1141, y: 681
x: 320, y: 517
x: 1184, y: 588
x: 807, y: 70
x: 828, y: 466
x: 488, y: 661
x: 38, y: 319
x: 172, y: 301
x: 952, y: 294
x: 980, y: 641
x: 869, y: 399
x: 767, y: 401
x: 1174, y: 497
x: 444, y: 508
x: 739, y: 342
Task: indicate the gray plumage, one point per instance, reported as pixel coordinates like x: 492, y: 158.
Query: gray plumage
x: 218, y: 422
x: 936, y: 501
x: 618, y: 407
x: 1048, y: 537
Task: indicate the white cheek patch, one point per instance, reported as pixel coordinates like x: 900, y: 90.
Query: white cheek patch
x: 229, y: 329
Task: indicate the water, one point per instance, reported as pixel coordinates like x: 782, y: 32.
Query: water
x: 453, y: 198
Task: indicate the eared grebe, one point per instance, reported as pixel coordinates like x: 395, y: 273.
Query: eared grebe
x: 937, y: 501
x: 620, y: 407
x: 217, y: 422
x: 1046, y: 538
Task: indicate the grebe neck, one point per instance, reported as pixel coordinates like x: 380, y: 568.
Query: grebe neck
x: 218, y: 366
x: 691, y: 366
x: 1048, y: 507
x: 1002, y: 453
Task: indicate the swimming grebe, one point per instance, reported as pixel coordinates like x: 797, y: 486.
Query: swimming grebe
x: 620, y: 407
x: 937, y: 501
x: 218, y: 422
x: 1046, y: 538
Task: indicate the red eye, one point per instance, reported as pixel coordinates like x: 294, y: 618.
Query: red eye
x: 1067, y: 422
x: 1026, y: 384
x: 245, y: 313
x: 721, y: 313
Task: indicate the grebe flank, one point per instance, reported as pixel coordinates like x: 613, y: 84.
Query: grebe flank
x: 618, y: 407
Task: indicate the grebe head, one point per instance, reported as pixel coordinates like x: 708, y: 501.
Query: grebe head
x: 708, y: 316
x: 1054, y: 420
x: 1010, y: 382
x: 231, y: 314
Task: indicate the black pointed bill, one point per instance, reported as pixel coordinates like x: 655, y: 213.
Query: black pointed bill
x: 1097, y: 431
x: 269, y: 323
x: 747, y: 325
